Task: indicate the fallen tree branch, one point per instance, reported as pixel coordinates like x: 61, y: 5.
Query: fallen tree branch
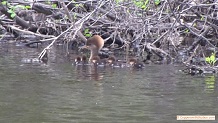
x: 76, y: 27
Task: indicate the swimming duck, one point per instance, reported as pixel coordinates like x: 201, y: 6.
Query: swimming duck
x: 135, y: 63
x: 84, y: 60
x: 78, y: 61
x: 98, y: 62
x: 81, y: 60
x: 95, y: 60
x: 114, y: 63
x: 94, y: 44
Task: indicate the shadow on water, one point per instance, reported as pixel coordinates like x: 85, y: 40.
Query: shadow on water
x: 61, y: 92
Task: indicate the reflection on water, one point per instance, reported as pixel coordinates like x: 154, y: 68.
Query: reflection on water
x: 210, y: 83
x: 89, y: 72
x: 60, y: 92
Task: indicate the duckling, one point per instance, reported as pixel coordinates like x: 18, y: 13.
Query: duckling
x: 84, y: 60
x: 135, y: 63
x: 78, y: 61
x: 114, y: 63
x: 98, y: 62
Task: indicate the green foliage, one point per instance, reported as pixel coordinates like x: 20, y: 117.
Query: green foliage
x: 195, y: 24
x: 54, y: 5
x: 78, y: 5
x: 211, y: 59
x: 118, y: 1
x: 74, y: 16
x: 20, y: 6
x: 87, y: 33
x: 11, y: 11
x: 28, y: 7
x: 13, y: 8
x: 4, y: 2
x: 48, y: 2
x: 156, y: 2
x: 143, y: 4
x: 202, y: 18
x: 186, y: 30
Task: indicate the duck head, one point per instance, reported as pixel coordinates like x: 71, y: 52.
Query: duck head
x: 111, y: 59
x: 95, y: 60
x: 135, y: 63
x: 132, y: 61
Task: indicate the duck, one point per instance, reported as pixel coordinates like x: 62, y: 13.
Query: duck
x: 94, y: 44
x: 81, y: 60
x: 78, y: 60
x: 95, y: 60
x: 114, y: 63
x: 133, y: 62
x: 84, y: 60
x: 98, y: 62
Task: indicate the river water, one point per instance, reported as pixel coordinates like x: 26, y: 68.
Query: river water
x: 59, y: 92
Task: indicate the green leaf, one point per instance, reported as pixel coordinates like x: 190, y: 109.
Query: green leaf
x: 142, y: 4
x: 202, y: 18
x: 186, y: 30
x: 156, y: 2
x: 10, y: 11
x: 213, y: 58
x: 118, y: 1
x: 4, y: 2
x: 88, y: 35
x: 207, y: 59
x: 77, y: 5
x: 74, y: 16
x: 13, y: 8
x: 19, y: 6
x: 28, y: 7
x: 195, y: 24
x: 127, y: 11
x: 86, y: 31
x: 146, y: 2
x: 54, y: 5
x: 48, y: 2
x: 138, y: 4
x: 13, y: 15
x: 143, y: 7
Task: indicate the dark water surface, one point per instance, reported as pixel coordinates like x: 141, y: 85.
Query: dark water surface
x: 59, y: 92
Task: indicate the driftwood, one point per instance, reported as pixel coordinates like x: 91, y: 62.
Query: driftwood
x: 164, y: 30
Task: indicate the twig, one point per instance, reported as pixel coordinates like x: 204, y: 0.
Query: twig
x: 77, y: 26
x: 32, y: 33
